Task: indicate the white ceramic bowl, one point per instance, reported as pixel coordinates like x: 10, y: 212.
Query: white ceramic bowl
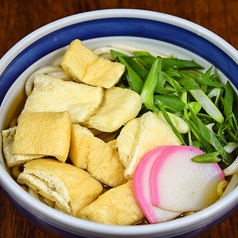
x: 146, y: 29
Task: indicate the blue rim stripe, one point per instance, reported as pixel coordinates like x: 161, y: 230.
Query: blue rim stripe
x: 118, y: 27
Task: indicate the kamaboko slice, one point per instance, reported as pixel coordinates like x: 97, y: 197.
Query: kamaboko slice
x: 141, y: 185
x: 179, y: 185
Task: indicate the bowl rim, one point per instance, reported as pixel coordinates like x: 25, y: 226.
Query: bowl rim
x: 200, y: 218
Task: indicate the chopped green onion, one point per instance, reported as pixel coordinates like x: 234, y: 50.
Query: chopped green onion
x: 207, y: 158
x: 134, y: 80
x: 208, y: 105
x: 147, y: 92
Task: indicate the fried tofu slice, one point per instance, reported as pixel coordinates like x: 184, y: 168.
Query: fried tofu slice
x: 44, y: 134
x: 69, y: 187
x: 119, y: 105
x: 117, y: 206
x: 52, y: 94
x: 83, y: 65
x: 77, y: 59
x: 141, y: 135
x: 8, y: 136
x: 104, y: 73
x: 100, y: 159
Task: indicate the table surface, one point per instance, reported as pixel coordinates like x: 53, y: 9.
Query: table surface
x: 20, y: 17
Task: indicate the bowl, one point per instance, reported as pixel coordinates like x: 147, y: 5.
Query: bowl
x: 141, y: 28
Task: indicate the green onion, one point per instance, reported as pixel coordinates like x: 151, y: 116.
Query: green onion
x: 177, y: 89
x: 134, y: 80
x: 147, y: 92
x: 211, y: 138
x: 208, y: 105
x: 207, y: 158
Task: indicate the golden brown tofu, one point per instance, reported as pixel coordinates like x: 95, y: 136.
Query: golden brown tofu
x: 8, y: 136
x: 76, y: 60
x: 141, y: 135
x: 56, y: 95
x: 118, y: 106
x: 117, y: 206
x: 43, y: 134
x: 69, y: 187
x: 100, y: 159
x: 83, y: 65
x: 104, y: 73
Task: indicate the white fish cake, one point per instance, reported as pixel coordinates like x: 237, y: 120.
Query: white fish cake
x: 119, y: 105
x: 100, y: 159
x: 52, y: 94
x: 117, y: 206
x: 69, y: 187
x: 141, y: 135
x: 43, y: 133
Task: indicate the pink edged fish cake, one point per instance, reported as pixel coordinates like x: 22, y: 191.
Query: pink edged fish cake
x: 141, y: 184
